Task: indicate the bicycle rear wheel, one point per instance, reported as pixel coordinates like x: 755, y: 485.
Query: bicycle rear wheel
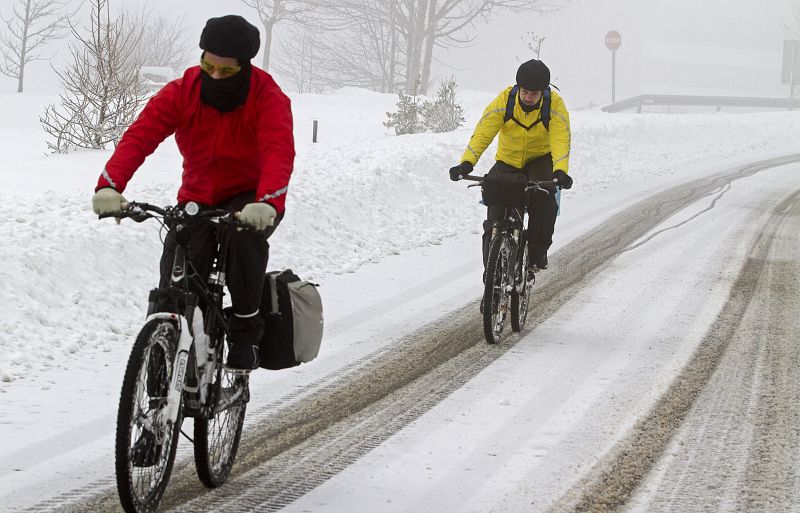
x: 497, y: 287
x: 521, y: 295
x: 145, y: 441
x: 217, y: 435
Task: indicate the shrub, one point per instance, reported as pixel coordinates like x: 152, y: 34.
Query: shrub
x: 443, y: 114
x: 407, y: 118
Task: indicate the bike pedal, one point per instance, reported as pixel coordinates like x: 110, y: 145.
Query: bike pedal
x: 237, y: 372
x: 156, y: 403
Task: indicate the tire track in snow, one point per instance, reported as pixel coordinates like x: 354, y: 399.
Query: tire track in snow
x: 614, y: 479
x: 444, y: 355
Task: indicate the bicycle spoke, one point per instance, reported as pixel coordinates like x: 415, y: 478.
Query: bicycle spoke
x: 145, y: 445
x: 217, y: 435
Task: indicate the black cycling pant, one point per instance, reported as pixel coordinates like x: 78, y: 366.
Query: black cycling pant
x: 542, y: 208
x: 246, y: 260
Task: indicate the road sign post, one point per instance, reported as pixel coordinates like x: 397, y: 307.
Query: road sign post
x: 613, y: 41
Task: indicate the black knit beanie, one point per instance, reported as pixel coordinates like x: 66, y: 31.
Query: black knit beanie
x: 230, y: 36
x: 533, y: 75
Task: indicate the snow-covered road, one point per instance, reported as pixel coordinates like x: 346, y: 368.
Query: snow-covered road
x: 588, y: 384
x: 439, y: 421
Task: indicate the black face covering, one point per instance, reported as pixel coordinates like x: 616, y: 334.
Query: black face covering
x: 225, y: 94
x: 529, y: 108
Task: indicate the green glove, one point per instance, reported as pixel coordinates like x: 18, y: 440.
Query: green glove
x: 258, y: 215
x: 108, y: 201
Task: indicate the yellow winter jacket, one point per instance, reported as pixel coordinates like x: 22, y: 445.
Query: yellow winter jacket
x: 516, y: 145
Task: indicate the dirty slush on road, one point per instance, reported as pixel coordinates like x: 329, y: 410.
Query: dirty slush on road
x: 296, y: 448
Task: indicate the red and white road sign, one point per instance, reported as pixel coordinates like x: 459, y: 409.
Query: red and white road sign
x: 613, y: 40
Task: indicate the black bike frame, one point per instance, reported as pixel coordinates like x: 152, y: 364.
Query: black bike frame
x: 186, y: 289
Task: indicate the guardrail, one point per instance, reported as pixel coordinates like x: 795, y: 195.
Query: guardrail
x: 637, y: 102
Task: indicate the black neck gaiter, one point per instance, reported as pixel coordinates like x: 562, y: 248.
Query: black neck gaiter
x: 225, y: 94
x: 529, y: 108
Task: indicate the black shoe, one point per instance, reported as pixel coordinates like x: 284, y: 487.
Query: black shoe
x: 243, y: 356
x: 538, y: 263
x: 146, y: 450
x: 245, y: 339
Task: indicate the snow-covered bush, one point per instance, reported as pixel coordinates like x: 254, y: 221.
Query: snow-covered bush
x: 407, y: 118
x: 443, y: 114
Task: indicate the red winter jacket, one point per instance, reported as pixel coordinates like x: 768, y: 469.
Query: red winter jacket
x: 224, y: 154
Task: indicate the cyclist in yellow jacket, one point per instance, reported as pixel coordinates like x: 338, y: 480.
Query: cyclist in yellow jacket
x: 529, y: 143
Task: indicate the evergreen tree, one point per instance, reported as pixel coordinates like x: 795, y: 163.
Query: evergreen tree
x: 443, y: 114
x: 407, y: 118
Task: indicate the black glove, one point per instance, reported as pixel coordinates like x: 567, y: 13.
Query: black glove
x: 463, y: 169
x: 564, y: 180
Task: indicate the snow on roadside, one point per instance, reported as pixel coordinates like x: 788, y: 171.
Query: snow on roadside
x: 76, y: 286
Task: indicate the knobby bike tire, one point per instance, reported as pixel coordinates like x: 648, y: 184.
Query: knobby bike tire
x: 141, y: 485
x: 521, y: 295
x: 495, y: 298
x: 217, y: 436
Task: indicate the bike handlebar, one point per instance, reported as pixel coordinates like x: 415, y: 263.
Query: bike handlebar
x: 141, y: 211
x: 534, y: 184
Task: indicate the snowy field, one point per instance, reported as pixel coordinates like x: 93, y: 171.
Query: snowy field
x: 75, y: 288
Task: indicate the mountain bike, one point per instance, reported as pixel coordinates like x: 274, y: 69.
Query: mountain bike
x: 507, y: 282
x: 175, y: 370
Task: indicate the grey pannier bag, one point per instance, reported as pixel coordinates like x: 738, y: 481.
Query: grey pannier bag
x: 292, y: 313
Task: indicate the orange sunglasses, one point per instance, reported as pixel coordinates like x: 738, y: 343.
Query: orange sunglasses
x: 224, y: 71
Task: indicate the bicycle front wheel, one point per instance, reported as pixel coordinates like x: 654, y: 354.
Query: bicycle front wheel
x: 497, y: 288
x: 146, y: 441
x: 218, y: 432
x: 521, y: 295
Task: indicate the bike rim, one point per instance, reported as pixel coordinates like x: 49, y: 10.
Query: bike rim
x: 501, y: 296
x: 152, y: 384
x: 524, y: 287
x: 224, y: 426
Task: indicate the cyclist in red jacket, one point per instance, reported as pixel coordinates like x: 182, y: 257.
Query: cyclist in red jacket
x: 233, y: 127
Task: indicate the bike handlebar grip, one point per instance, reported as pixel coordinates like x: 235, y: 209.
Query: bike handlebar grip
x: 147, y: 207
x: 118, y: 215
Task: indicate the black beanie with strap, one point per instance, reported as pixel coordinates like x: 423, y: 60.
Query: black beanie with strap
x: 533, y: 75
x: 231, y: 36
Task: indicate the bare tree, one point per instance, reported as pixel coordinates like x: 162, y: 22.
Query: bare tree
x: 300, y: 68
x: 272, y: 12
x: 533, y: 42
x: 793, y: 29
x: 793, y: 24
x: 399, y: 36
x: 103, y: 92
x: 446, y: 21
x: 357, y: 43
x: 33, y: 24
x: 163, y: 41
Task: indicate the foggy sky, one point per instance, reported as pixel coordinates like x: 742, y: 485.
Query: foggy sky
x: 668, y: 46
